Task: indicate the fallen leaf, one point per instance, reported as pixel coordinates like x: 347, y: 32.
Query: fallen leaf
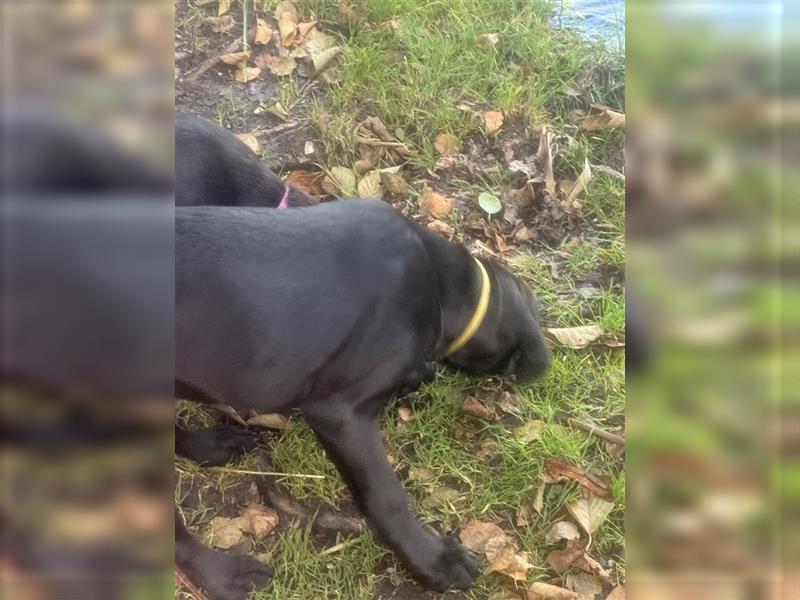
x: 324, y: 59
x: 352, y: 13
x: 573, y: 337
x: 618, y: 593
x: 476, y: 534
x: 245, y: 73
x: 308, y: 148
x: 550, y: 592
x: 544, y: 158
x: 590, y: 565
x: 303, y: 29
x: 590, y: 512
x: 441, y: 227
x: 487, y: 450
x: 223, y: 7
x: 504, y: 594
x: 308, y: 181
x: 344, y: 179
x: 529, y: 507
x: 278, y: 110
x: 432, y: 204
x: 279, y: 65
x: 447, y: 143
x: 271, y: 421
x: 370, y: 186
x: 508, y: 402
x: 225, y: 532
x: 439, y: 496
x: 580, y: 184
x: 561, y: 560
x: 585, y: 585
x: 249, y: 140
x: 490, y: 204
x: 605, y: 119
x: 263, y: 32
x: 394, y: 183
x: 476, y: 408
x: 221, y: 24
x: 490, y: 39
x: 529, y: 432
x: 504, y: 557
x: 562, y: 530
x: 406, y: 414
x: 235, y: 58
x: 259, y: 519
x: 286, y: 16
x: 492, y: 121
x: 369, y: 158
x: 421, y: 474
x: 556, y: 470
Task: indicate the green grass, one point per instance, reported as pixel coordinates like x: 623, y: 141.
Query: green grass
x: 457, y: 467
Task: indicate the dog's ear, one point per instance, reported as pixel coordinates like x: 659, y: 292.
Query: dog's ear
x: 534, y: 355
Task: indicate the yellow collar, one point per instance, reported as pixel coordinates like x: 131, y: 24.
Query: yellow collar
x: 477, y: 317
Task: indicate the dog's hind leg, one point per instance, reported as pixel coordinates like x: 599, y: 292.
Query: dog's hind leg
x: 353, y: 442
x: 216, y: 445
x: 222, y: 576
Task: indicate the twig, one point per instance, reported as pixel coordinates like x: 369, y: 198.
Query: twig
x: 338, y: 547
x: 592, y: 430
x: 283, y: 127
x: 186, y: 582
x: 210, y: 62
x: 270, y: 473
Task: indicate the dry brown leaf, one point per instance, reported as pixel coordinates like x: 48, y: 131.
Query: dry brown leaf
x: 324, y: 59
x: 544, y: 159
x: 245, y: 73
x: 370, y: 186
x: 510, y: 562
x: 538, y: 499
x: 303, y: 29
x: 259, y: 519
x: 344, y: 179
x: 447, y: 143
x: 286, y: 16
x: 550, y: 592
x: 223, y: 7
x: 585, y: 585
x: 271, y: 421
x: 490, y: 39
x: 476, y: 534
x: 406, y: 414
x: 308, y: 148
x: 529, y: 432
x: 435, y: 205
x: 280, y: 65
x: 556, y: 470
x: 263, y: 32
x: 562, y: 530
x: 573, y: 337
x: 492, y: 121
x: 352, y: 13
x: 235, y: 58
x: 440, y: 496
x: 221, y: 24
x: 476, y: 408
x: 618, y: 593
x: 561, y: 560
x: 605, y: 119
x: 225, y: 532
x: 590, y: 565
x: 590, y: 512
x: 308, y: 181
x: 441, y: 227
x: 249, y: 140
x: 421, y: 474
x: 530, y: 507
x: 394, y: 183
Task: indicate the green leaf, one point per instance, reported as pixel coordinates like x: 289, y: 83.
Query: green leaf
x: 490, y: 204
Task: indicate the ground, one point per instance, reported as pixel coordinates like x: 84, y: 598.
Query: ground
x: 420, y: 70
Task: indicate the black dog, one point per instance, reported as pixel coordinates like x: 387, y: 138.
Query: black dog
x: 332, y: 310
x: 214, y: 167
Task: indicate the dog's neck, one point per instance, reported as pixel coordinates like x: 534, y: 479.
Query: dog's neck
x: 459, y: 285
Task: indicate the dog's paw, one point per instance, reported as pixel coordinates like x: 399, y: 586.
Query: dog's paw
x: 448, y: 564
x: 233, y: 577
x: 215, y: 446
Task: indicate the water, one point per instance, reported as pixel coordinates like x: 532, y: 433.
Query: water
x: 602, y: 20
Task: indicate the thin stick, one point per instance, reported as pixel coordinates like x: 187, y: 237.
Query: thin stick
x: 270, y: 473
x: 338, y: 547
x: 592, y: 430
x: 210, y: 62
x: 187, y: 583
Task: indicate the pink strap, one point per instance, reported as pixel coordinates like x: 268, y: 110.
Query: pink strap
x: 285, y: 200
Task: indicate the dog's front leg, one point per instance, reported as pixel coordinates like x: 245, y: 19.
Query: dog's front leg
x: 353, y: 442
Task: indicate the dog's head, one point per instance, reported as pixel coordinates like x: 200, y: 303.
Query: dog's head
x: 509, y: 341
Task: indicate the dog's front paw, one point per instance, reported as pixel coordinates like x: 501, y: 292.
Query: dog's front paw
x: 233, y: 577
x: 445, y: 564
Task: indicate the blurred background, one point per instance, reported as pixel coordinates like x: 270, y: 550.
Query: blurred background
x: 713, y: 437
